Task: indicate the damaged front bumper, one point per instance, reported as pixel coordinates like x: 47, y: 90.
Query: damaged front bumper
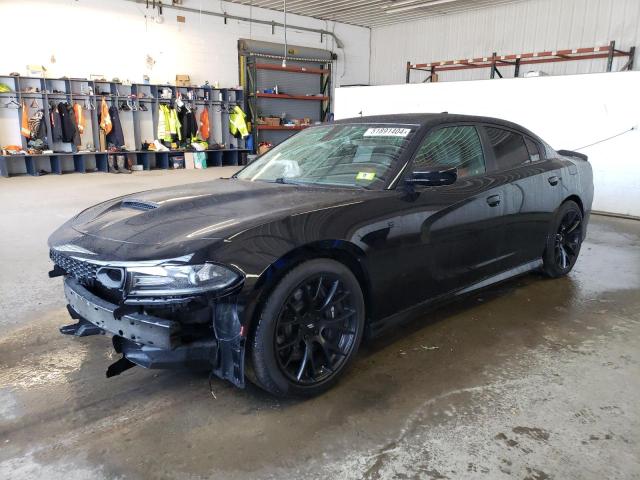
x: 140, y: 328
x: 154, y: 342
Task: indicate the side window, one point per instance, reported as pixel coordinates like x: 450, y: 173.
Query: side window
x: 509, y: 148
x: 450, y: 147
x: 532, y: 148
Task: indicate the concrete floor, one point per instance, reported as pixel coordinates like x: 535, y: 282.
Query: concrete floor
x: 534, y: 379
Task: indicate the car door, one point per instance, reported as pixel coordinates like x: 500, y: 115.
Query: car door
x: 447, y: 237
x: 534, y: 191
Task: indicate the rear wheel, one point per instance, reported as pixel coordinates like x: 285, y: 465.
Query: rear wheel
x: 564, y: 240
x: 309, y: 329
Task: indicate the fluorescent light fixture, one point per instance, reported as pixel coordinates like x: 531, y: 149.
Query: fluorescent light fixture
x: 411, y: 5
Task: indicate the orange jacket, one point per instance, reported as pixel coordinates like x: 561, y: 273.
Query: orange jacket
x: 204, y: 124
x: 24, y: 128
x: 105, y: 118
x: 77, y: 109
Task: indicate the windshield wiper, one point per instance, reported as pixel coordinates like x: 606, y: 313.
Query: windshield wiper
x: 288, y: 181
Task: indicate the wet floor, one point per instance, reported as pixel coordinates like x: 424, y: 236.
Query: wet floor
x: 533, y: 379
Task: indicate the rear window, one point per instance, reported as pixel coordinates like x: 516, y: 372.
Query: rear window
x: 532, y: 148
x: 509, y: 148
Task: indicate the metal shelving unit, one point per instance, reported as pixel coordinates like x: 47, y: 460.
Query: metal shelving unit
x: 303, y: 78
x: 494, y: 61
x: 217, y: 100
x: 307, y: 83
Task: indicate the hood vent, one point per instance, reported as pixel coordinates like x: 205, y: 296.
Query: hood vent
x: 139, y: 204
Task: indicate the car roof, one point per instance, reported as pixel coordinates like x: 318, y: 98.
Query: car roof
x: 433, y: 119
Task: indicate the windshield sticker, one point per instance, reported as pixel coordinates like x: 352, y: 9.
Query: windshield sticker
x: 366, y: 175
x: 387, y: 132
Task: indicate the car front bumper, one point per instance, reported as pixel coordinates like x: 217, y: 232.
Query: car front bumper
x: 143, y: 340
x: 143, y: 329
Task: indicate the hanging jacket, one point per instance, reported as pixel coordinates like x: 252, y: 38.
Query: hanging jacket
x: 116, y: 136
x: 66, y: 119
x: 174, y: 125
x: 25, y: 131
x: 105, y: 119
x: 237, y: 123
x: 77, y: 110
x: 168, y: 124
x: 37, y: 126
x: 182, y: 112
x: 193, y: 124
x: 56, y: 125
x: 163, y: 123
x: 76, y: 132
x: 188, y: 123
x: 204, y: 124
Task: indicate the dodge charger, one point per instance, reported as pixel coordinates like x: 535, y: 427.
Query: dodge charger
x: 337, y: 234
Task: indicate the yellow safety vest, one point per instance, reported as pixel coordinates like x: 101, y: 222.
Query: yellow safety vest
x: 237, y: 122
x: 174, y: 124
x: 168, y: 124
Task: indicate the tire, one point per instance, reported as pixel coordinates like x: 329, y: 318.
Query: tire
x: 307, y: 315
x: 564, y: 240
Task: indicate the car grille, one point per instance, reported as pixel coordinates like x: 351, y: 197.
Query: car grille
x: 82, y: 271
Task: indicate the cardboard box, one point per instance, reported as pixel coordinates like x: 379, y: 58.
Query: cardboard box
x: 183, y: 81
x: 272, y: 121
x: 263, y: 149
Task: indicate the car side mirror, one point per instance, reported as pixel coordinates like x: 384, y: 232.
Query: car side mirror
x: 434, y: 178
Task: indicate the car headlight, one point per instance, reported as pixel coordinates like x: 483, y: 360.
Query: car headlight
x: 180, y: 279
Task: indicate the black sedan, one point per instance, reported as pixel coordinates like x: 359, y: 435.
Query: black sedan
x: 342, y: 231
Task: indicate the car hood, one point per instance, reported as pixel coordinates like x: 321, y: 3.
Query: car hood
x: 208, y: 210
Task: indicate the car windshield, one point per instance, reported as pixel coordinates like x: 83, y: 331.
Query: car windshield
x: 347, y: 155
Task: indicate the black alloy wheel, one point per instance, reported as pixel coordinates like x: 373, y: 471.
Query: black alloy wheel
x: 308, y: 331
x: 565, y: 240
x: 568, y: 239
x: 316, y: 329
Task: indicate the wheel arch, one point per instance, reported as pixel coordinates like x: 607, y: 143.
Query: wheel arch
x: 576, y: 199
x: 340, y: 251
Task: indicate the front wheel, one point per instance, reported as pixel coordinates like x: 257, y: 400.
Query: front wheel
x: 309, y: 330
x: 564, y: 240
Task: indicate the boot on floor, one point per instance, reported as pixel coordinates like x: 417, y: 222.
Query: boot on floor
x: 121, y: 164
x: 111, y: 163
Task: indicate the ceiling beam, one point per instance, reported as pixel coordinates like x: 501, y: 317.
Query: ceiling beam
x: 372, y: 13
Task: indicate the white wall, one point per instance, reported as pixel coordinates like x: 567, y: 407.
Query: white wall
x: 526, y: 26
x: 112, y: 37
x: 566, y: 111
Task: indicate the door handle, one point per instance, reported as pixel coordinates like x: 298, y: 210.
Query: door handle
x: 494, y: 200
x: 553, y: 180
